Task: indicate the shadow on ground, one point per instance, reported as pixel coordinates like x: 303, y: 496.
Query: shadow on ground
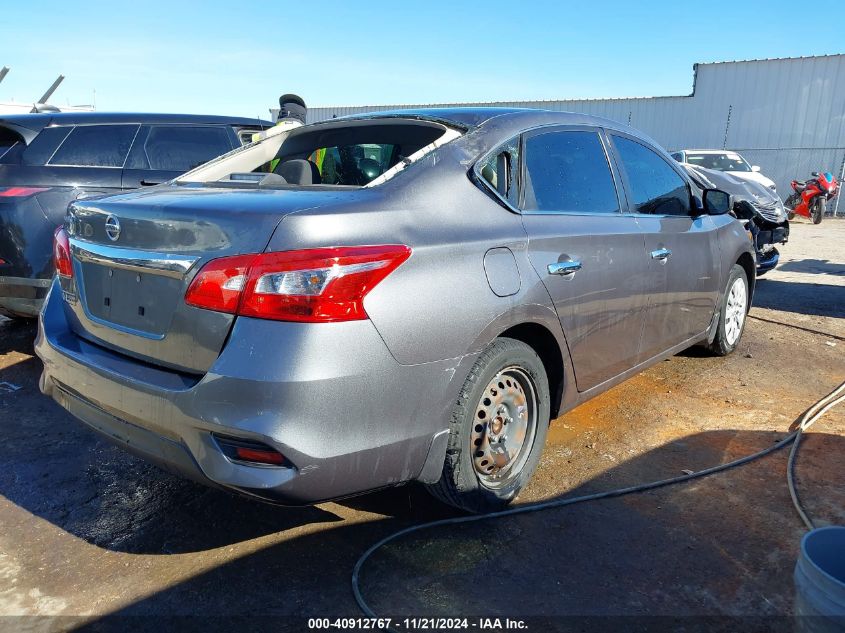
x: 803, y: 298
x: 17, y: 335
x: 814, y: 266
x: 722, y: 545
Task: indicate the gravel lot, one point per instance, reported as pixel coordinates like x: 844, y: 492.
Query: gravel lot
x: 86, y: 530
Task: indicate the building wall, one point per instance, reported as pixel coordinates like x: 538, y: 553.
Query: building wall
x: 785, y: 115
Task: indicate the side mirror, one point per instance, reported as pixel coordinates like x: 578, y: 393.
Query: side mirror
x: 717, y: 202
x: 755, y: 167
x: 815, y: 174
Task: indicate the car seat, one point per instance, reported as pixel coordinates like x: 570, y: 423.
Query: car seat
x: 299, y: 171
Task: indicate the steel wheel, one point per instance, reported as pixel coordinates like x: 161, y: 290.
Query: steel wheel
x: 735, y: 310
x: 505, y: 427
x: 497, y: 428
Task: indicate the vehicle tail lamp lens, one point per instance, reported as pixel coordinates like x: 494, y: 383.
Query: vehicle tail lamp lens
x: 219, y: 285
x: 249, y: 451
x: 61, y: 253
x: 20, y: 192
x: 313, y: 285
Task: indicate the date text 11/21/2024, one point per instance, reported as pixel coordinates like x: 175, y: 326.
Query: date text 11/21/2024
x: 417, y: 624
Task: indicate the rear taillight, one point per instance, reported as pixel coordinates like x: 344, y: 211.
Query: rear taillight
x: 20, y: 192
x: 314, y: 285
x: 61, y: 253
x: 219, y: 284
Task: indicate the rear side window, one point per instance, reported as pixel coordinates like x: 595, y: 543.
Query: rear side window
x: 178, y: 147
x: 501, y: 171
x: 568, y: 171
x: 39, y: 151
x: 655, y: 187
x: 96, y: 146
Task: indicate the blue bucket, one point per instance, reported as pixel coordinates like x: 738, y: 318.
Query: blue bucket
x: 820, y: 581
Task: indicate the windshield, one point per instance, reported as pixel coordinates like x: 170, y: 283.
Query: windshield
x: 339, y: 153
x: 728, y: 161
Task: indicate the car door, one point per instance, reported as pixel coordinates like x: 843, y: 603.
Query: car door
x: 163, y: 152
x: 588, y: 253
x: 682, y: 247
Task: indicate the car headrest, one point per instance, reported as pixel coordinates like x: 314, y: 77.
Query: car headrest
x: 299, y: 171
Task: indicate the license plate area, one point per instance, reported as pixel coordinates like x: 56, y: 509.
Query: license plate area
x: 135, y: 300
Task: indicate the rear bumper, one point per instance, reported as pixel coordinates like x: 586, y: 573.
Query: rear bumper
x: 329, y: 397
x: 21, y: 296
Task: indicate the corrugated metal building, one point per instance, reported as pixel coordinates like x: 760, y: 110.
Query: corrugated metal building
x: 786, y: 115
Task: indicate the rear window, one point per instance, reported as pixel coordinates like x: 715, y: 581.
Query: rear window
x: 9, y: 142
x: 354, y: 164
x: 178, y: 147
x: 355, y: 155
x: 720, y: 162
x: 96, y: 146
x: 333, y: 153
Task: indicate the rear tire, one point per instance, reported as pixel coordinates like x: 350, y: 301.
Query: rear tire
x: 497, y: 429
x: 818, y: 210
x: 732, y: 313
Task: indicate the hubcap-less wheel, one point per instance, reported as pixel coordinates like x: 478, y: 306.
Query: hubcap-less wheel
x: 735, y: 311
x: 505, y: 427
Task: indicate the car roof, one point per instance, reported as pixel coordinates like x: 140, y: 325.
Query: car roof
x: 470, y: 116
x: 39, y: 121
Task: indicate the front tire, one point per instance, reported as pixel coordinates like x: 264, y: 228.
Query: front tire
x: 497, y: 429
x: 733, y: 310
x: 818, y: 210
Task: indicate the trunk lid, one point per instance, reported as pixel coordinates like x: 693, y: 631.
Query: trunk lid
x: 135, y: 254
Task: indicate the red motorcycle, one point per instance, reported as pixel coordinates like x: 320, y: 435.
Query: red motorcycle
x: 811, y: 196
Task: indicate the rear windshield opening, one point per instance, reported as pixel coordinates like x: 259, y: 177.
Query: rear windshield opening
x: 347, y: 154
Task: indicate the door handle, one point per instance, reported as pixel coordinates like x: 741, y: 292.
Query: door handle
x: 149, y: 183
x: 564, y: 268
x: 661, y: 254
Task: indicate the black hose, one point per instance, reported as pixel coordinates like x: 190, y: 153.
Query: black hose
x: 804, y: 422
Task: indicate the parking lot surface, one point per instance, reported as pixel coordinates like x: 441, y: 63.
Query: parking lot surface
x: 88, y: 531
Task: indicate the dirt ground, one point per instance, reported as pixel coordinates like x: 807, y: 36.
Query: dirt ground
x: 87, y: 530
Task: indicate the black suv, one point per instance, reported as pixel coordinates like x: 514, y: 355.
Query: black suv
x: 49, y: 160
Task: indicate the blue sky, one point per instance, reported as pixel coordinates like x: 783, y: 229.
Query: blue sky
x: 236, y: 58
